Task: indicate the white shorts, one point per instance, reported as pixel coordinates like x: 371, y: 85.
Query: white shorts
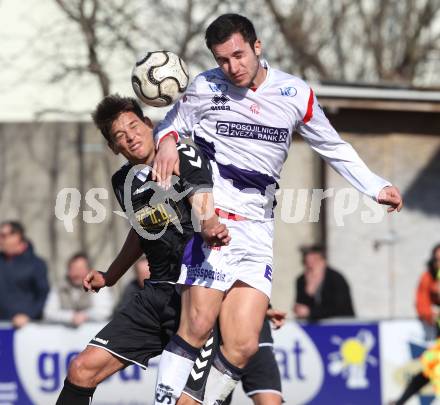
x: 247, y: 258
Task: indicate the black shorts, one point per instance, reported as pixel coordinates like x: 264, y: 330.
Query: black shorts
x: 261, y: 374
x: 143, y: 327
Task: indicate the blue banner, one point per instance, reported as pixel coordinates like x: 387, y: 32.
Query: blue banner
x: 326, y: 364
x: 351, y: 358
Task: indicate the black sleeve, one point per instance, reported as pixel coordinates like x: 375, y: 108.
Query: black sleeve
x: 118, y: 180
x: 195, y: 170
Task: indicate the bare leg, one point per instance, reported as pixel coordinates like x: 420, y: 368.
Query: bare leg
x: 85, y: 372
x: 241, y: 319
x: 200, y: 309
x: 92, y: 366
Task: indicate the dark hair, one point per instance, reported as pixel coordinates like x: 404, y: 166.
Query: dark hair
x: 109, y: 109
x: 16, y: 227
x: 76, y: 256
x: 221, y: 29
x: 318, y: 249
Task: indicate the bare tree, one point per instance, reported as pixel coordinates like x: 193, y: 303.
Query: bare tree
x: 400, y: 36
x: 371, y: 41
x: 298, y: 33
x: 114, y: 32
x: 84, y: 14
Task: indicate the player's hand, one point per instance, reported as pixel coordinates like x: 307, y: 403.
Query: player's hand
x: 301, y: 311
x: 20, y: 320
x: 166, y: 162
x: 276, y: 317
x: 390, y: 195
x: 94, y: 281
x: 215, y: 233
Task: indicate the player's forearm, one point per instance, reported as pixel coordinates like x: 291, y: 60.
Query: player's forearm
x: 130, y: 252
x: 203, y: 213
x: 340, y: 155
x: 360, y: 176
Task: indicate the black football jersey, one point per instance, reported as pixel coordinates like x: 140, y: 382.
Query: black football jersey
x: 162, y: 218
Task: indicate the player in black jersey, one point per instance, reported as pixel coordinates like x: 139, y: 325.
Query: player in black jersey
x: 162, y: 223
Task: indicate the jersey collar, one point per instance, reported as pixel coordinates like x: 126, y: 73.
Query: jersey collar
x: 265, y: 64
x: 142, y: 174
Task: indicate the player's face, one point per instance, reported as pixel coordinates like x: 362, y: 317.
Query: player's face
x: 133, y: 137
x: 239, y: 62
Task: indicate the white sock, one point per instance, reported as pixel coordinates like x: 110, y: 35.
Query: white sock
x: 175, y: 366
x: 222, y: 379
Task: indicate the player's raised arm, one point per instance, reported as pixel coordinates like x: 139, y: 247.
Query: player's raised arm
x: 340, y: 155
x: 166, y: 161
x: 130, y: 252
x: 213, y: 232
x: 196, y: 175
x: 179, y: 120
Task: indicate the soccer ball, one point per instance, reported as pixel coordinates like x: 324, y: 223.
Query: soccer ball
x: 159, y: 78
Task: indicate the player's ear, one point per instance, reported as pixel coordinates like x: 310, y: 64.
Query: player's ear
x: 148, y: 122
x: 258, y: 48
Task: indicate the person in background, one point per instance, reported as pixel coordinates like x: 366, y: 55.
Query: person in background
x: 70, y: 304
x: 23, y: 277
x: 142, y: 272
x: 427, y: 297
x: 321, y: 292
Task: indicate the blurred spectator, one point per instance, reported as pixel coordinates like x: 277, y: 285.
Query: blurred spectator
x: 427, y: 302
x: 23, y: 277
x: 70, y: 304
x: 142, y: 272
x: 427, y: 296
x: 321, y: 292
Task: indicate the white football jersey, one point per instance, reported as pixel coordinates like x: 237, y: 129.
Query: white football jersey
x: 246, y: 135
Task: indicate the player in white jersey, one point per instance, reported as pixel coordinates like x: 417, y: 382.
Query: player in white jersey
x: 243, y: 116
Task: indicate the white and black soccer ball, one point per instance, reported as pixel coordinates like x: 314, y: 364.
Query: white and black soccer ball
x: 159, y: 78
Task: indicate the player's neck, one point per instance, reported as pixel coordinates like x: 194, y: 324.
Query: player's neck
x: 260, y: 77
